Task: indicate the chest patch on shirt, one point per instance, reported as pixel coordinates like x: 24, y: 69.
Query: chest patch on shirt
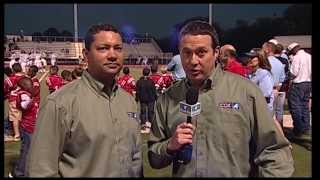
x: 229, y: 105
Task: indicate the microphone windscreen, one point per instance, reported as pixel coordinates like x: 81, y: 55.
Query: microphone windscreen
x: 192, y: 96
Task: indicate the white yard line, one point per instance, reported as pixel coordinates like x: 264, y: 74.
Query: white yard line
x: 44, y: 75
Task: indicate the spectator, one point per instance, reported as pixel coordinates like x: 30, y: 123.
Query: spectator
x: 7, y: 85
x: 299, y: 91
x: 277, y: 68
x: 53, y: 59
x: 175, y: 66
x: 167, y: 79
x: 77, y: 73
x: 278, y: 74
x: 156, y: 77
x: 29, y: 110
x: 280, y: 95
x: 66, y: 76
x: 261, y: 75
x: 13, y: 61
x: 32, y: 72
x: 14, y: 113
x: 230, y: 63
x: 127, y: 82
x: 88, y: 128
x: 146, y: 95
x: 54, y: 81
x: 234, y: 136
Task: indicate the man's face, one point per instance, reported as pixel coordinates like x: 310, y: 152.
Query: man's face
x: 197, y: 56
x: 105, y: 57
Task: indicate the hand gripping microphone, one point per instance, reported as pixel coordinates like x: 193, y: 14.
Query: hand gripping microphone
x: 191, y: 108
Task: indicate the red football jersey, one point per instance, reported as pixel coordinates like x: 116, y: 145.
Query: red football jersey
x: 13, y: 89
x: 54, y: 82
x: 157, y: 80
x: 128, y: 83
x: 7, y: 86
x: 29, y: 109
x: 167, y: 80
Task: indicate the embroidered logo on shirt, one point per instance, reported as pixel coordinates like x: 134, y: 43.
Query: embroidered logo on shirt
x: 229, y: 105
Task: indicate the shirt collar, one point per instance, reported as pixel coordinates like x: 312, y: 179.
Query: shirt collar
x: 97, y: 85
x: 211, y: 81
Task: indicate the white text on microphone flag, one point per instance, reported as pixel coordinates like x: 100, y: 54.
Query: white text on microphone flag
x: 190, y: 110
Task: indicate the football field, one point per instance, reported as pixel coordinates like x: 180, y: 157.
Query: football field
x: 302, y: 157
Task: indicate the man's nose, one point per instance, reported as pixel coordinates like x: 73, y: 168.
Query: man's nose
x: 194, y: 59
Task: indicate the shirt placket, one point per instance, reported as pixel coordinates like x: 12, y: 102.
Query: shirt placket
x: 116, y: 135
x: 201, y: 153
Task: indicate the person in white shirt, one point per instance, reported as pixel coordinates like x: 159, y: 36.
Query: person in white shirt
x: 23, y: 61
x: 299, y: 92
x: 37, y: 60
x: 53, y: 59
x: 12, y: 61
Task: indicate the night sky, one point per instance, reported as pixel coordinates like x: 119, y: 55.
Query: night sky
x: 155, y: 19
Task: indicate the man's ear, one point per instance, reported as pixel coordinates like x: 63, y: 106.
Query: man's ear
x: 216, y: 52
x: 85, y: 55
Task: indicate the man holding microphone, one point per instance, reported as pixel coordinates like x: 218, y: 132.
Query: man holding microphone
x: 233, y: 136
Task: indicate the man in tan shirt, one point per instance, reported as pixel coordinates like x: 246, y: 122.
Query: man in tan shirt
x: 88, y: 128
x: 234, y: 136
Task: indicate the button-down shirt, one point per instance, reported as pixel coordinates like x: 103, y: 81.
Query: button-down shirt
x: 264, y: 80
x: 234, y: 133
x: 176, y: 65
x: 277, y: 70
x: 301, y: 67
x: 83, y: 132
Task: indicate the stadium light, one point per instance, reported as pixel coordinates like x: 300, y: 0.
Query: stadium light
x: 210, y: 13
x: 75, y: 21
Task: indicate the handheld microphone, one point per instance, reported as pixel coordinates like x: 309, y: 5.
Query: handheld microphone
x: 191, y: 108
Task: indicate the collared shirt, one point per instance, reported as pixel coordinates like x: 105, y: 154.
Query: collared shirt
x: 176, y: 65
x: 264, y: 81
x: 301, y: 67
x: 83, y: 132
x: 277, y: 70
x: 234, y: 132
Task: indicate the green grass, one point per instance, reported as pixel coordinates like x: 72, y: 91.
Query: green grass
x: 302, y: 160
x: 302, y: 157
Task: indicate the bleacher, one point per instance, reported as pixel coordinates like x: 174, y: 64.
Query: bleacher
x: 70, y: 51
x: 64, y: 50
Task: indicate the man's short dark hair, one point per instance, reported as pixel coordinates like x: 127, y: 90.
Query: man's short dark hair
x: 54, y: 69
x: 146, y: 71
x: 94, y: 29
x: 34, y: 69
x: 154, y: 68
x: 77, y: 72
x: 16, y: 67
x: 200, y: 28
x: 126, y: 70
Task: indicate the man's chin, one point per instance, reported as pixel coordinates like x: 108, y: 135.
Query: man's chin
x: 198, y: 78
x: 114, y: 70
